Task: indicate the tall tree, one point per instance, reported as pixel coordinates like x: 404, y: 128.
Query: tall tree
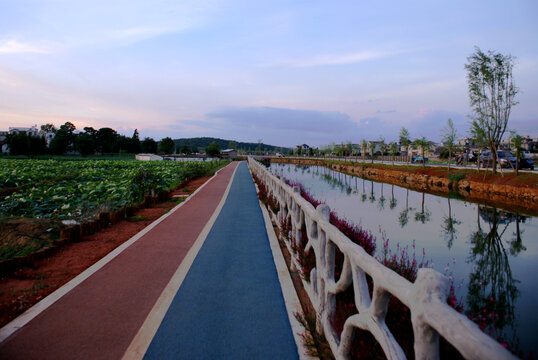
x: 135, y: 143
x: 449, y: 139
x: 515, y: 143
x: 479, y: 138
x: 424, y: 145
x: 149, y: 146
x: 85, y: 142
x: 19, y: 144
x: 364, y: 147
x: 166, y: 145
x: 393, y: 147
x: 405, y: 140
x: 48, y: 128
x: 213, y: 149
x: 185, y: 150
x: 492, y: 94
x: 383, y: 147
x: 64, y: 139
x: 106, y: 140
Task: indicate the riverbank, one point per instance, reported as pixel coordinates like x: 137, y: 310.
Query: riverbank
x: 515, y: 193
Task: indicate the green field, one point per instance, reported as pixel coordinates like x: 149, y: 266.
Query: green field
x: 79, y: 190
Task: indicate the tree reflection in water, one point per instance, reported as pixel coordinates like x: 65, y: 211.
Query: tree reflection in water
x: 393, y: 201
x: 372, y: 195
x: 516, y: 244
x: 403, y: 218
x: 492, y: 290
x: 381, y: 201
x: 363, y: 195
x: 449, y: 226
x: 424, y: 215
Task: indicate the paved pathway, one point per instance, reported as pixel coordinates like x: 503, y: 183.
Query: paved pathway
x: 229, y: 305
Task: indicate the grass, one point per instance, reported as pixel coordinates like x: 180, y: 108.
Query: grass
x: 137, y: 218
x: 315, y: 343
x: 456, y: 177
x: 176, y: 200
x: 19, y: 250
x: 173, y: 200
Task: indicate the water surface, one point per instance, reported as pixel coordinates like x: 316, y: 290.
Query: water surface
x: 490, y: 254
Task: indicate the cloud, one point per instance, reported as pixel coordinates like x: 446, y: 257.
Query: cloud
x: 430, y: 123
x: 138, y: 33
x: 341, y: 59
x: 282, y: 126
x: 285, y: 119
x: 385, y: 111
x: 17, y: 47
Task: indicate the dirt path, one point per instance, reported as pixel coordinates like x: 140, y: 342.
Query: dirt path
x: 22, y: 289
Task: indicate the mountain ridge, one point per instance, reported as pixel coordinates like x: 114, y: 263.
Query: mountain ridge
x: 203, y: 142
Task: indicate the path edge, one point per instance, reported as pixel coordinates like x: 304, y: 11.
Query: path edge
x: 291, y: 300
x: 23, y: 319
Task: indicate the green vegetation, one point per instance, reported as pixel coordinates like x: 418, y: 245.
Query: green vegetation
x: 213, y: 149
x: 79, y: 190
x: 166, y: 146
x: 456, y: 177
x: 137, y: 218
x: 492, y: 93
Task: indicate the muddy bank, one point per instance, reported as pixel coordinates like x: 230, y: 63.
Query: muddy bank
x: 520, y: 196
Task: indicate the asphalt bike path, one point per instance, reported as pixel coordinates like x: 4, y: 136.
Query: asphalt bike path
x: 230, y: 304
x: 99, y: 317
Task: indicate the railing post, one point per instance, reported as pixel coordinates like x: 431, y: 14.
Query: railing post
x: 323, y: 212
x: 430, y: 286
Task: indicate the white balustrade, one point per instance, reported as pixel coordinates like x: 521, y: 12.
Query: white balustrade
x: 426, y: 298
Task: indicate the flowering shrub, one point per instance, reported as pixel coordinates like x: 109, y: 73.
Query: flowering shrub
x: 355, y: 233
x: 264, y: 196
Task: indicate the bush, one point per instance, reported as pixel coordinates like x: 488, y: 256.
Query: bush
x: 213, y: 149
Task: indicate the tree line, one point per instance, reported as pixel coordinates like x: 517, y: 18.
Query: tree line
x: 89, y: 141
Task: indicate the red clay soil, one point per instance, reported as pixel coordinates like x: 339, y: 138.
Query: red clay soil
x: 25, y: 287
x: 485, y: 176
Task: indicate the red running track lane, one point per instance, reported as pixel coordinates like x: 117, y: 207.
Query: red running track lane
x: 99, y: 318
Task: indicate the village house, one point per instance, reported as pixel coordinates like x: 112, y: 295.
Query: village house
x: 228, y: 154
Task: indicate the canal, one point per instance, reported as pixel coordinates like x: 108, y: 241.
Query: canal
x: 490, y: 254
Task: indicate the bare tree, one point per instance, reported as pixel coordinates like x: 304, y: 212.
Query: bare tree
x: 492, y: 94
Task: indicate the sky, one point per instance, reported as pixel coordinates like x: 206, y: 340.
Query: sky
x: 283, y: 72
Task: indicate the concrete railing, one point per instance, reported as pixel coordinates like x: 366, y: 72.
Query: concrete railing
x: 426, y: 297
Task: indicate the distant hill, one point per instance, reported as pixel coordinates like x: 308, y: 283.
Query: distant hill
x: 201, y: 143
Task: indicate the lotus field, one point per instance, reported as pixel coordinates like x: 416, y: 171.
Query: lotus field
x: 78, y: 190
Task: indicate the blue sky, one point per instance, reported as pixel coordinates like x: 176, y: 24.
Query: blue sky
x: 285, y: 72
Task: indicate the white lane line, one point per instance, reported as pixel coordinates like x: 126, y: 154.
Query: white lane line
x: 41, y: 306
x: 147, y: 331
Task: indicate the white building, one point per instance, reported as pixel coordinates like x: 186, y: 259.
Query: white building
x: 148, y: 157
x: 31, y: 131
